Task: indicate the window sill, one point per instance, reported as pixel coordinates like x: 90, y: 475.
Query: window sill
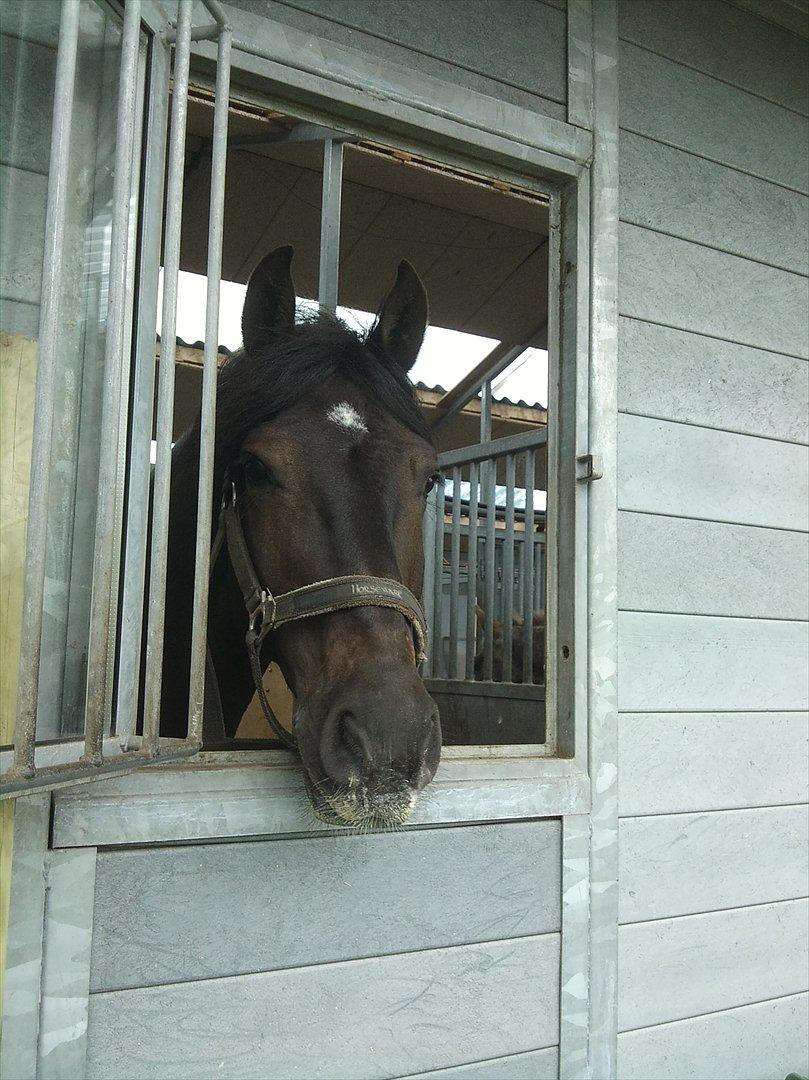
x: 217, y: 797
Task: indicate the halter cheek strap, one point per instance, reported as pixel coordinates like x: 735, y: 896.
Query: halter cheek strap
x: 266, y: 612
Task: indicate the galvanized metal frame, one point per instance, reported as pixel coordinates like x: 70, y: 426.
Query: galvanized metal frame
x: 473, y: 784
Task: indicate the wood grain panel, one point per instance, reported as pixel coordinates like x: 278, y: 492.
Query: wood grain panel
x: 466, y: 885
x: 694, y: 567
x: 367, y: 1018
x: 680, y: 284
x: 688, y: 471
x: 689, y: 863
x: 683, y: 663
x: 764, y: 1041
x: 677, y: 375
x: 535, y: 1065
x: 695, y: 112
x: 676, y: 968
x: 720, y: 40
x: 520, y: 59
x: 672, y: 763
x: 678, y: 193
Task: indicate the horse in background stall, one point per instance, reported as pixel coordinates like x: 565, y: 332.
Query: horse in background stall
x: 517, y: 643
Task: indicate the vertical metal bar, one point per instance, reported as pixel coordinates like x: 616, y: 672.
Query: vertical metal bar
x: 330, y: 223
x: 472, y: 578
x: 207, y: 434
x: 438, y: 665
x: 49, y: 335
x: 428, y: 542
x: 455, y: 573
x: 488, y: 575
x: 486, y: 412
x: 115, y: 356
x: 528, y: 573
x: 137, y: 525
x: 165, y: 392
x: 508, y: 568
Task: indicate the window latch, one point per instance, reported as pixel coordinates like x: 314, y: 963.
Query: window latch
x: 588, y: 468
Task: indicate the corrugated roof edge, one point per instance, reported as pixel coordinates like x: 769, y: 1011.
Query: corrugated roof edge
x: 437, y: 389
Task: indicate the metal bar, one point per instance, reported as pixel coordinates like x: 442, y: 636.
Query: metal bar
x: 490, y: 488
x: 510, y: 444
x: 165, y: 393
x: 208, y: 32
x: 486, y: 412
x: 455, y: 573
x: 218, y: 12
x: 49, y: 338
x: 140, y: 471
x: 438, y: 582
x: 508, y: 568
x: 115, y: 356
x: 207, y: 434
x: 330, y: 223
x: 600, y: 545
x: 528, y: 572
x: 69, y: 773
x: 428, y: 544
x: 472, y: 575
x: 462, y: 393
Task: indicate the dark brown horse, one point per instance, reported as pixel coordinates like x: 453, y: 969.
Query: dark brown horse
x: 320, y: 430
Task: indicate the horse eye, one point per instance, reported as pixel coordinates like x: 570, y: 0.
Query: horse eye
x: 255, y: 472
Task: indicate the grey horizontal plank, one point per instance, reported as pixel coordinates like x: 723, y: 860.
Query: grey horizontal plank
x: 677, y: 283
x: 684, y: 108
x: 533, y: 1065
x: 691, y: 863
x: 17, y: 318
x: 676, y: 192
x: 520, y: 59
x: 683, y: 663
x: 26, y: 79
x: 478, y: 883
x: 221, y: 796
x: 720, y: 40
x: 676, y: 968
x: 697, y: 567
x: 363, y: 1019
x: 764, y: 1041
x: 682, y: 470
x: 672, y: 763
x: 684, y: 376
x: 22, y: 236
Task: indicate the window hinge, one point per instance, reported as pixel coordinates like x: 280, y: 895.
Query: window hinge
x: 589, y: 467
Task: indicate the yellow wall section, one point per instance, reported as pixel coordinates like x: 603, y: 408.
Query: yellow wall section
x: 17, y: 388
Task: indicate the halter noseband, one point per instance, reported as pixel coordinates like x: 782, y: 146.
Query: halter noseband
x: 266, y: 612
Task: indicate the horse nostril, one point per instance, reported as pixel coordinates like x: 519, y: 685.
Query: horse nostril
x: 353, y: 739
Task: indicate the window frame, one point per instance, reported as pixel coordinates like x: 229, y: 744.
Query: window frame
x: 487, y: 782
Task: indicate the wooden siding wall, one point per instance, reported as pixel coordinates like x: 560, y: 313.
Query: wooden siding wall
x: 336, y: 956
x: 520, y: 59
x: 713, y: 381
x: 26, y: 79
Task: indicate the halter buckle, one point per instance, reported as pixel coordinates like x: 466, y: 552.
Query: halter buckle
x: 263, y: 614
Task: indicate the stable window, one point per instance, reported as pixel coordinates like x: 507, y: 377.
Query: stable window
x: 234, y: 174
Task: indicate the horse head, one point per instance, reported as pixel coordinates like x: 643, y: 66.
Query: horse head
x: 321, y: 436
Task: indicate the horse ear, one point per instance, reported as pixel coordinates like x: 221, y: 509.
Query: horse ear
x: 402, y: 320
x: 269, y: 305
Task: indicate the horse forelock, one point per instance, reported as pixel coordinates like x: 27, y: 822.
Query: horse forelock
x: 254, y: 388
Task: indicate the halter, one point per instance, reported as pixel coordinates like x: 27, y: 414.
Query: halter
x: 266, y: 612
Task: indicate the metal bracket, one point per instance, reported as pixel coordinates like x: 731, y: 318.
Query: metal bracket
x: 588, y: 467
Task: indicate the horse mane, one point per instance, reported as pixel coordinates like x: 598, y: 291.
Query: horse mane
x: 253, y: 388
